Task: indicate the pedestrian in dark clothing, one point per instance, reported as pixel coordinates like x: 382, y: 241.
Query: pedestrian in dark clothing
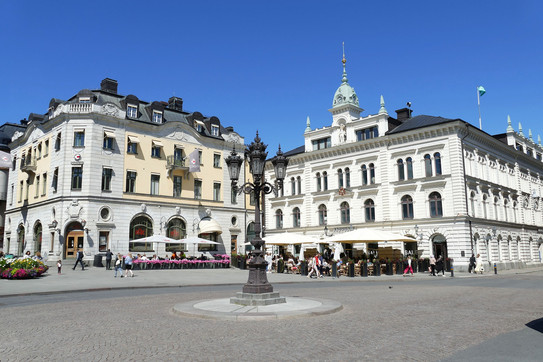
x: 109, y: 255
x: 79, y: 260
x: 472, y: 261
x: 439, y: 266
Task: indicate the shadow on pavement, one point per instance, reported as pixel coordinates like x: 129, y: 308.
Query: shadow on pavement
x: 536, y: 325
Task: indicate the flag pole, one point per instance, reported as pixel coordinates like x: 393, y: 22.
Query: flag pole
x: 479, y: 106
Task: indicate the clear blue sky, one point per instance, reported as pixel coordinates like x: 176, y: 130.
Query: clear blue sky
x: 267, y: 65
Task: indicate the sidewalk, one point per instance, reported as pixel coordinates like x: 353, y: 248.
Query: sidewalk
x: 101, y: 279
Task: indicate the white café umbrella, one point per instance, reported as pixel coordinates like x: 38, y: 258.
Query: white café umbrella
x: 338, y: 249
x: 196, y: 240
x: 368, y: 236
x: 157, y: 239
x: 290, y: 239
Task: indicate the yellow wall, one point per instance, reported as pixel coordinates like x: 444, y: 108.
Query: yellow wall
x: 42, y: 167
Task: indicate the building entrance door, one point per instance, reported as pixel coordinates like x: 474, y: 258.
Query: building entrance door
x: 74, y: 243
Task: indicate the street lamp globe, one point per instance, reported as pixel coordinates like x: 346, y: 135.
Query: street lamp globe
x: 280, y: 163
x: 234, y: 162
x: 256, y: 152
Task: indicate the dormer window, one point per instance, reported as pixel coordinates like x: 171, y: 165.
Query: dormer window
x: 199, y: 125
x: 84, y: 100
x: 214, y: 130
x: 131, y: 111
x: 157, y: 117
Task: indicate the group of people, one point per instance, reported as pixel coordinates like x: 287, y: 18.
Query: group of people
x: 437, y: 266
x: 476, y: 264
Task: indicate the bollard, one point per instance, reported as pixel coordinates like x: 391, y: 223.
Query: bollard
x: 452, y: 270
x: 495, y: 269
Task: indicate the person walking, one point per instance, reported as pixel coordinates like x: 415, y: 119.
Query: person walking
x: 128, y: 265
x: 118, y: 266
x: 439, y: 266
x: 408, y: 267
x: 472, y: 261
x: 59, y: 266
x: 479, y: 264
x: 79, y: 260
x: 313, y: 267
x: 433, y: 265
x: 109, y: 256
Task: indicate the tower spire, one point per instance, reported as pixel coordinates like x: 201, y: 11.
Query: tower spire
x: 520, y: 130
x: 382, y: 110
x: 344, y: 79
x: 509, y: 127
x: 308, y: 125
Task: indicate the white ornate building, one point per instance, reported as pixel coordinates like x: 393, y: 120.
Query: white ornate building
x: 455, y: 188
x: 101, y: 170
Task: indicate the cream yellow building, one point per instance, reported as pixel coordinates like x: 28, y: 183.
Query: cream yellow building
x: 101, y: 170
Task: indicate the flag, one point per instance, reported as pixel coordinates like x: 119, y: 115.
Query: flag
x: 194, y: 161
x: 5, y: 160
x: 481, y: 90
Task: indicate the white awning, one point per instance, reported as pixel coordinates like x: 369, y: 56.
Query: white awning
x: 109, y: 134
x: 209, y: 226
x: 133, y: 139
x: 157, y: 143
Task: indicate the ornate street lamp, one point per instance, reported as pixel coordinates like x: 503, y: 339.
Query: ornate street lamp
x: 256, y: 155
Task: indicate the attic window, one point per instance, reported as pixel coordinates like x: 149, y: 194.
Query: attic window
x: 214, y: 130
x: 157, y: 117
x: 84, y: 100
x: 131, y: 111
x: 199, y: 125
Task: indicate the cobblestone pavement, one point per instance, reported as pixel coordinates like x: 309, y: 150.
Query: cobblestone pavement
x: 411, y: 319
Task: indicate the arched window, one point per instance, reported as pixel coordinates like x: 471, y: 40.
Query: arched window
x: 347, y: 177
x: 292, y: 186
x: 345, y: 213
x: 472, y: 203
x: 325, y: 181
x: 407, y: 207
x: 369, y: 208
x: 364, y: 175
x: 436, y: 209
x: 401, y: 171
x: 485, y: 199
x: 299, y: 182
x: 340, y: 178
x: 140, y: 227
x: 20, y: 239
x: 323, y: 215
x: 319, y: 186
x: 409, y: 163
x: 428, y: 165
x: 176, y: 229
x: 372, y: 173
x: 437, y: 163
x: 37, y: 237
x: 506, y: 209
x: 496, y: 202
x: 296, y: 217
x: 279, y: 219
x: 514, y: 211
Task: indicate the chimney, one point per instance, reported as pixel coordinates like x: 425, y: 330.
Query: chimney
x: 175, y: 103
x: 109, y: 85
x: 403, y: 114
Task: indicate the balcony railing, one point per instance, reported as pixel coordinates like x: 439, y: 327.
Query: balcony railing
x: 80, y: 108
x: 29, y: 165
x: 173, y: 163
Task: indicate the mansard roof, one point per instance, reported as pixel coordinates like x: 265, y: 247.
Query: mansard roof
x: 420, y: 122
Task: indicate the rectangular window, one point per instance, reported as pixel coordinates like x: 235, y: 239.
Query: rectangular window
x: 216, y: 191
x: 109, y: 136
x: 197, y: 189
x: 131, y: 181
x: 322, y: 143
x: 216, y: 160
x: 106, y: 178
x: 14, y: 162
x: 200, y: 157
x: 27, y: 190
x: 234, y: 197
x: 214, y: 130
x: 155, y: 180
x: 44, y: 189
x: 177, y: 186
x: 252, y: 200
x: 79, y: 139
x: 77, y: 177
x: 199, y: 126
x: 54, y: 184
x: 37, y: 191
x: 155, y: 151
x: 21, y: 190
x: 38, y: 151
x: 58, y: 140
x: 131, y: 111
x: 132, y: 148
x: 45, y: 148
x: 367, y: 133
x: 157, y: 117
x: 103, y: 241
x: 84, y: 99
x: 12, y: 194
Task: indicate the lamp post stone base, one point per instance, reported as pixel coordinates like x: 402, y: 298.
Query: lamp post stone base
x: 251, y: 299
x: 258, y: 280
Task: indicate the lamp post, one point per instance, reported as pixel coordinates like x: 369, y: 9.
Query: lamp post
x: 256, y: 155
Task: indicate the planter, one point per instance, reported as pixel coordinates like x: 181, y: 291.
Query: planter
x: 364, y: 270
x: 415, y: 267
x: 389, y: 268
x: 303, y: 267
x: 377, y: 269
x: 280, y: 266
x: 399, y: 268
x: 334, y: 269
x: 350, y: 270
